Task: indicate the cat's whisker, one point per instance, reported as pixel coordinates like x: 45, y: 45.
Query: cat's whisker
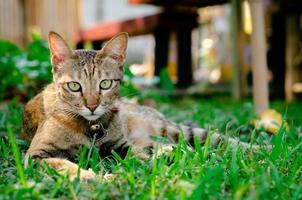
x: 69, y: 113
x: 50, y: 92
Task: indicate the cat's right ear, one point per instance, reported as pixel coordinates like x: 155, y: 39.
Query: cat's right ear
x: 59, y: 50
x: 115, y: 48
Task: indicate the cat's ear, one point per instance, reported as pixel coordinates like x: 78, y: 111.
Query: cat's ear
x: 116, y: 47
x: 59, y: 50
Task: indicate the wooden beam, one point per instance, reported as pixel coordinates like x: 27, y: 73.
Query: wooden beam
x: 184, y: 56
x: 259, y: 63
x: 161, y: 50
x: 106, y: 30
x: 189, y: 3
x: 237, y: 50
x: 292, y: 50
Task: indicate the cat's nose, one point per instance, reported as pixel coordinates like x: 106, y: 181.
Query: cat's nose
x: 91, y: 102
x: 92, y: 107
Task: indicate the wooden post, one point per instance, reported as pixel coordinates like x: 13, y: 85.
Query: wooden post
x: 97, y: 45
x: 292, y: 50
x: 237, y: 50
x: 259, y: 63
x: 80, y: 45
x: 184, y: 56
x: 161, y: 50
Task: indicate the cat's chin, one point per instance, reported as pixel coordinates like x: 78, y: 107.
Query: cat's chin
x: 91, y: 117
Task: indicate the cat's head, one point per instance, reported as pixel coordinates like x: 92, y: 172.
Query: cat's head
x: 87, y: 81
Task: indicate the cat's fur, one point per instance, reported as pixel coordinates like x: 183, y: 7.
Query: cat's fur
x: 59, y: 121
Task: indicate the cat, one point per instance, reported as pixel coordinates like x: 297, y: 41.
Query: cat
x: 82, y: 106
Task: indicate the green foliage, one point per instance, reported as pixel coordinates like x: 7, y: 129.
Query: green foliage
x: 165, y: 81
x: 10, y: 75
x: 23, y: 72
x: 203, y: 173
x: 128, y: 90
x: 17, y: 157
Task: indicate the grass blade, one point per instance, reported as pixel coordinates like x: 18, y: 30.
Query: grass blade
x: 17, y: 156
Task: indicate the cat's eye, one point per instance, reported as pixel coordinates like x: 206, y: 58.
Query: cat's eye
x: 74, y: 86
x: 105, y: 84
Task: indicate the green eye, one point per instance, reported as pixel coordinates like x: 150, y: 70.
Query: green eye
x: 105, y: 84
x: 74, y: 86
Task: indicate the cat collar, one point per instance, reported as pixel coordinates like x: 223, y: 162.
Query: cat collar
x: 114, y: 110
x: 97, y: 132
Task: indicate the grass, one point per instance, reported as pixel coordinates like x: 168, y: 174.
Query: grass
x: 205, y: 173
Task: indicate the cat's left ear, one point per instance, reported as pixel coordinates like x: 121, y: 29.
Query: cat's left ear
x: 116, y: 48
x: 59, y: 49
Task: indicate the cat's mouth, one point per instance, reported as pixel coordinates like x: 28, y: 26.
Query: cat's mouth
x: 91, y: 117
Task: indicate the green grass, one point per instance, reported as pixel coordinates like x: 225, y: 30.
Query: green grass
x: 205, y: 173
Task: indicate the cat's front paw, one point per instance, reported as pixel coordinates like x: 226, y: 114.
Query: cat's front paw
x: 88, y: 175
x: 84, y: 175
x: 109, y: 177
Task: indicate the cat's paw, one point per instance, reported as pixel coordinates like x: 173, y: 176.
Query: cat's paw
x: 109, y: 177
x: 163, y: 150
x: 88, y: 175
x: 143, y: 156
x: 84, y: 175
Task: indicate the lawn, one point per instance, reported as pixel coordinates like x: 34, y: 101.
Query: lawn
x: 203, y: 173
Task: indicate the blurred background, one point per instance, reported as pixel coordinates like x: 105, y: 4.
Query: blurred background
x: 180, y: 46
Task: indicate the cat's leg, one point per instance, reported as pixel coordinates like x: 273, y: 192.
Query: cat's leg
x: 52, y: 154
x: 144, y: 147
x: 65, y: 166
x: 145, y: 153
x: 214, y: 137
x: 165, y: 128
x: 145, y: 121
x: 57, y: 146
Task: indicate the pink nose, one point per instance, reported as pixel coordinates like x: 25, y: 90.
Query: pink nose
x: 91, y: 102
x: 92, y: 107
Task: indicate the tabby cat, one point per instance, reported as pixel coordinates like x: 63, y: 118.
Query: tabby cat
x: 82, y: 106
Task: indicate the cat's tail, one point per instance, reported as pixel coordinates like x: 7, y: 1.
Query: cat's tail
x: 191, y: 131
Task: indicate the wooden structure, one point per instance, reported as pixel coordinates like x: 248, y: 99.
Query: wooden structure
x: 19, y: 17
x: 293, y: 51
x: 161, y: 25
x: 175, y: 3
x: 179, y: 17
x: 285, y: 52
x: 293, y: 56
x: 239, y: 78
x: 292, y: 10
x: 12, y: 25
x: 259, y: 63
